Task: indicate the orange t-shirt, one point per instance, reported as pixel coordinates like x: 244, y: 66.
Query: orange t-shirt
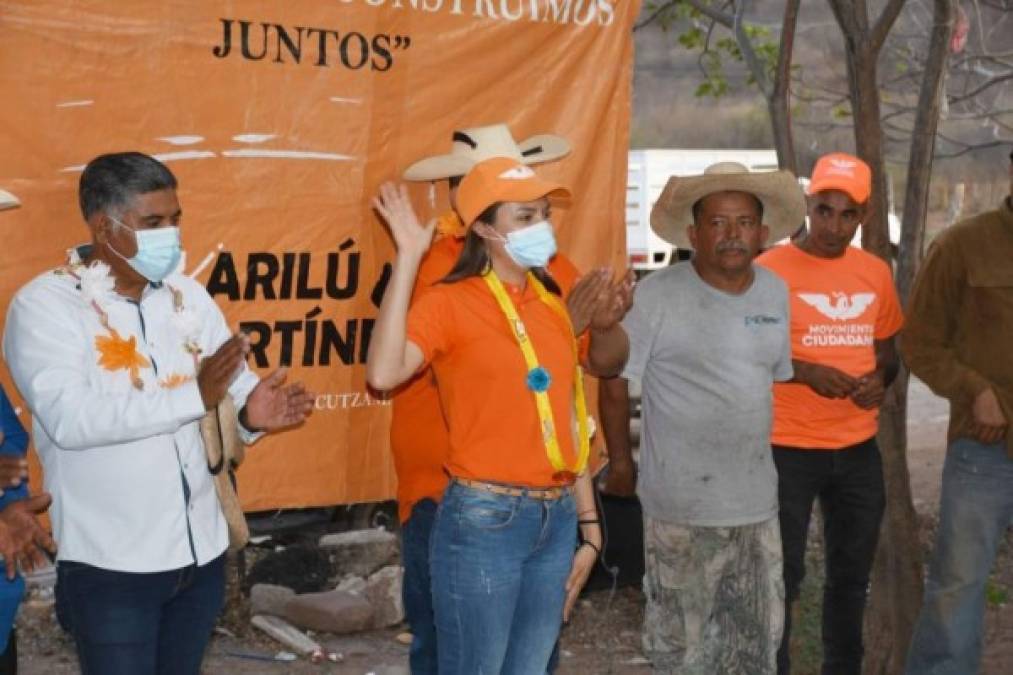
x: 419, y: 437
x: 839, y: 307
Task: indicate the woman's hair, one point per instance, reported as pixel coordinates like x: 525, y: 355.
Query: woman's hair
x: 474, y: 259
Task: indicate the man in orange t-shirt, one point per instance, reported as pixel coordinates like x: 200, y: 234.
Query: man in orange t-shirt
x: 844, y: 316
x: 419, y: 438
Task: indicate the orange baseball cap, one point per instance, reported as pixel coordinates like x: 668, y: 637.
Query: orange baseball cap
x: 844, y: 172
x: 501, y: 179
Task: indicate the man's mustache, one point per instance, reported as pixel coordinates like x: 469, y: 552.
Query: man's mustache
x: 734, y: 245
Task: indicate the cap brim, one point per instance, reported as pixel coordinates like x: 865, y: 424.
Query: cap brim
x: 526, y: 191
x: 8, y: 201
x: 779, y: 191
x: 831, y: 183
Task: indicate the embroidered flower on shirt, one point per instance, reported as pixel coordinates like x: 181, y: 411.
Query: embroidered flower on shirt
x: 539, y: 379
x: 186, y: 323
x: 174, y: 380
x: 115, y: 353
x: 97, y: 285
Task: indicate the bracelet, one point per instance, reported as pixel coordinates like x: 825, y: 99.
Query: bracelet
x: 597, y: 551
x: 589, y: 522
x: 580, y: 513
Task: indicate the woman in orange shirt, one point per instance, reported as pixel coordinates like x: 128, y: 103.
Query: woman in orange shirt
x: 505, y: 564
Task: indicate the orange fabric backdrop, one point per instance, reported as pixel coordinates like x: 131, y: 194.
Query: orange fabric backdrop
x: 279, y: 140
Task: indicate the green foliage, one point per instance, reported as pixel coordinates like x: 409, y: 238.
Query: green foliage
x: 996, y: 595
x: 717, y: 45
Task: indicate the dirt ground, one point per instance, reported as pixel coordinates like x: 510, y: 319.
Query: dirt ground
x: 602, y: 638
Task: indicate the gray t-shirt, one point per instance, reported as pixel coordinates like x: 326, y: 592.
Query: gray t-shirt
x: 707, y: 360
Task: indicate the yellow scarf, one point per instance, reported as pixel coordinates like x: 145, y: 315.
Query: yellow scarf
x: 538, y: 379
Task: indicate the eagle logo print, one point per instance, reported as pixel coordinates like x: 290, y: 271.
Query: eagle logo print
x: 841, y: 307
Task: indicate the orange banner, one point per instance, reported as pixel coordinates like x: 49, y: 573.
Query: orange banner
x: 280, y: 120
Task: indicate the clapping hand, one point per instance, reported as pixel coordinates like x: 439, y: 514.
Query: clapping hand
x: 614, y: 301
x: 218, y: 370
x: 272, y: 406
x: 23, y: 541
x: 13, y: 469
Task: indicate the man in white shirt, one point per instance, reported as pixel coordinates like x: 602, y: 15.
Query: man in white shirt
x: 119, y: 357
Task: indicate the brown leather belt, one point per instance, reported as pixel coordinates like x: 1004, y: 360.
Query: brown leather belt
x: 517, y: 490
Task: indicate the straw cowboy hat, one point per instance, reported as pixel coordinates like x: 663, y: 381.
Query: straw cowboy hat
x: 779, y: 192
x: 471, y: 146
x: 8, y: 201
x: 225, y: 452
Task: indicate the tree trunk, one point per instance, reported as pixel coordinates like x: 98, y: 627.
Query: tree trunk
x: 869, y: 146
x: 897, y: 576
x: 777, y: 103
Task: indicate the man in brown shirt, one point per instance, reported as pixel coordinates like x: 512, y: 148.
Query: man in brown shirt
x: 958, y: 340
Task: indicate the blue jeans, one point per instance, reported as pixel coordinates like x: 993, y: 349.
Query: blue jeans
x: 976, y: 507
x: 416, y: 590
x: 141, y: 624
x: 499, y: 566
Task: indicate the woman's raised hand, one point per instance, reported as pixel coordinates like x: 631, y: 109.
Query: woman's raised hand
x: 394, y: 205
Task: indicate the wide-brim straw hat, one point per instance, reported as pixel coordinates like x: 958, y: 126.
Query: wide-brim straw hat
x: 471, y: 146
x: 8, y: 201
x: 779, y: 192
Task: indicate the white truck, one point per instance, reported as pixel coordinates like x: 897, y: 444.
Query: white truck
x: 649, y: 170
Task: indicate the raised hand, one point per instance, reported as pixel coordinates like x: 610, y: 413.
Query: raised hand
x: 615, y: 300
x: 271, y: 405
x: 216, y: 371
x: 585, y: 296
x: 410, y: 237
x: 23, y: 541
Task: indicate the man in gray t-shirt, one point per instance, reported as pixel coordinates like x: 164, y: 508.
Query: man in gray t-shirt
x: 707, y: 340
x: 706, y: 359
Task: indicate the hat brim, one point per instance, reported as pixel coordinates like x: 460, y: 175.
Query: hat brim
x: 779, y: 192
x: 8, y: 201
x: 535, y: 150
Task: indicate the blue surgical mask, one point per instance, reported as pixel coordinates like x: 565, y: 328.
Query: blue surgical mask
x: 532, y: 246
x: 158, y: 252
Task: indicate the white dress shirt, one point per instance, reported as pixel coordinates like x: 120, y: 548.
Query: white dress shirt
x: 126, y: 466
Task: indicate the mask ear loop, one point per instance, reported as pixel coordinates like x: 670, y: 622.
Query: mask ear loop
x: 113, y: 249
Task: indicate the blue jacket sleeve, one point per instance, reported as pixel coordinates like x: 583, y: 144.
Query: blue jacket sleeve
x: 15, y: 439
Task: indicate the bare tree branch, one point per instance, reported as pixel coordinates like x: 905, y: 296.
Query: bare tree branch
x: 971, y: 148
x: 723, y: 18
x: 884, y: 24
x: 658, y: 13
x: 974, y: 92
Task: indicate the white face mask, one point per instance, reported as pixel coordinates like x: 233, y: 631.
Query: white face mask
x: 158, y: 251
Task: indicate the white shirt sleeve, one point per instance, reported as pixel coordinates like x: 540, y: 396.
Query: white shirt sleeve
x: 45, y: 350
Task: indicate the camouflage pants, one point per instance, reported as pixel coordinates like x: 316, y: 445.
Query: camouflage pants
x: 715, y: 598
